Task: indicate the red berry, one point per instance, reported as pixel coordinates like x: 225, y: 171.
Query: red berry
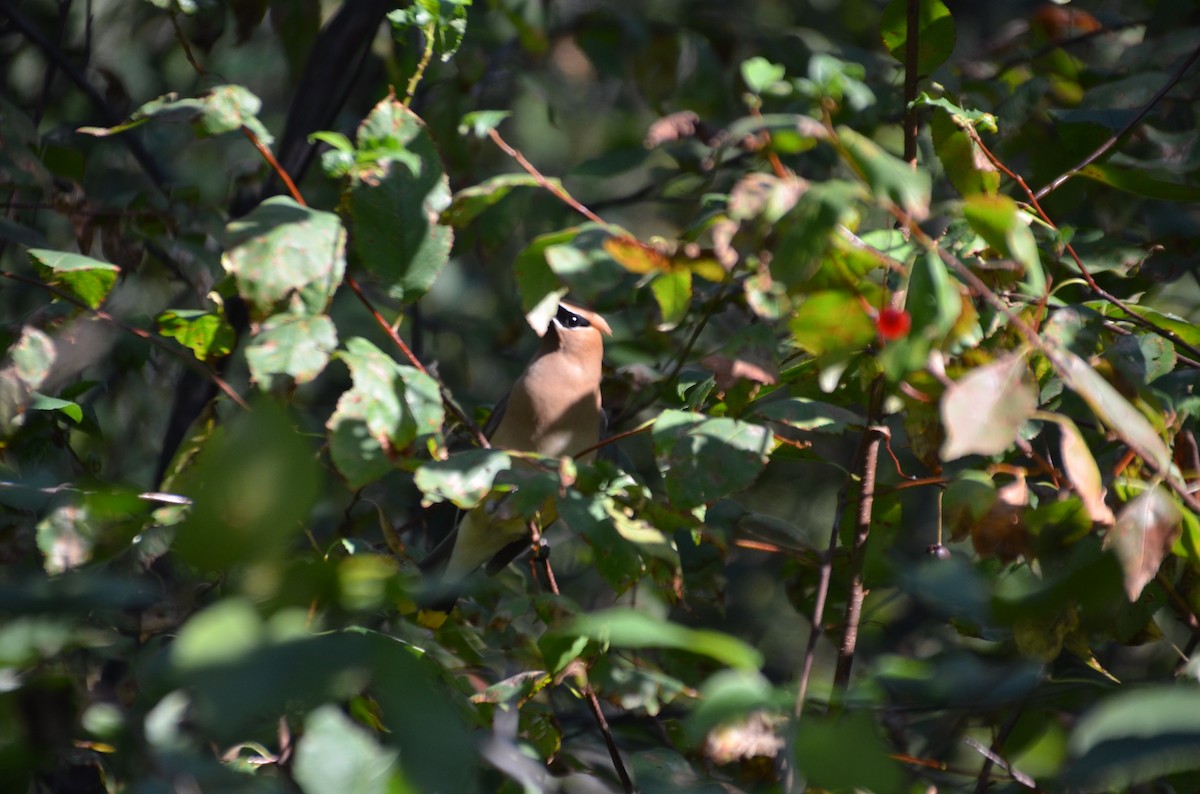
x: 893, y: 324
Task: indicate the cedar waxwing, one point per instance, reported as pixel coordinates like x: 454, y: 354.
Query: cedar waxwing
x: 553, y: 409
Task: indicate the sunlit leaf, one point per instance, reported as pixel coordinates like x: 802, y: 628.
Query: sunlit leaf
x: 983, y: 411
x: 336, y: 754
x: 390, y: 407
x: 890, y: 179
x: 1005, y: 228
x: 760, y: 75
x: 468, y: 203
x: 934, y: 299
x: 832, y: 323
x: 1146, y: 529
x: 464, y: 479
x: 397, y: 209
x: 805, y: 414
x: 42, y: 402
x: 673, y: 291
x: 1140, y: 183
x: 964, y: 162
x: 297, y: 346
x: 630, y: 628
x: 89, y: 280
x: 283, y: 253
x: 205, y: 333
x: 1081, y: 469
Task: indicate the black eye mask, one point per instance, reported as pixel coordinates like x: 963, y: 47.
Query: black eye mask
x: 569, y: 319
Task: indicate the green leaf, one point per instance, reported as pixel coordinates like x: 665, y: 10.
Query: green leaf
x: 983, y: 411
x: 285, y: 255
x: 336, y: 754
x: 89, y: 280
x: 1005, y: 228
x: 966, y: 166
x: 464, y: 479
x: 760, y: 75
x: 478, y: 122
x: 673, y: 291
x: 205, y: 333
x: 1136, y: 736
x: 41, y: 402
x: 832, y: 323
x: 935, y: 33
x: 704, y: 459
x: 809, y: 228
x: 630, y: 628
x: 890, y: 179
x: 293, y: 345
x: 805, y: 414
x: 469, y: 202
x: 251, y: 486
x: 846, y: 754
x: 395, y: 210
x: 223, y: 108
x: 32, y: 357
x: 389, y: 408
x: 934, y: 299
x: 1140, y: 183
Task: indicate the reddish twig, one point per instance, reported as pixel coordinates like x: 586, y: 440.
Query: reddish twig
x: 189, y: 360
x: 279, y: 170
x: 1083, y: 271
x: 558, y: 190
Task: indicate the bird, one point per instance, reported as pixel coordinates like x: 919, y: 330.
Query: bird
x: 553, y: 409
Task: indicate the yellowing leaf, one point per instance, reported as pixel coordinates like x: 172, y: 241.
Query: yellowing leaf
x: 1145, y: 531
x: 1082, y: 471
x: 983, y: 412
x: 637, y: 257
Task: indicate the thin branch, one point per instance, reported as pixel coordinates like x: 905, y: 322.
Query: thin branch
x: 1063, y: 178
x: 535, y: 536
x: 824, y: 576
x: 76, y: 75
x: 183, y: 42
x: 1083, y: 270
x: 283, y: 175
x: 187, y: 359
x: 398, y: 341
x: 1031, y: 337
x: 387, y: 327
x: 872, y: 439
x: 426, y: 57
x: 558, y: 190
x: 912, y: 45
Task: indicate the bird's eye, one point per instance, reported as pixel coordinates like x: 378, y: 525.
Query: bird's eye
x: 569, y: 319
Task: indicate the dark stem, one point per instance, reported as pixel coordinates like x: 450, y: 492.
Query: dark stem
x: 535, y: 535
x: 912, y: 44
x: 872, y: 439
